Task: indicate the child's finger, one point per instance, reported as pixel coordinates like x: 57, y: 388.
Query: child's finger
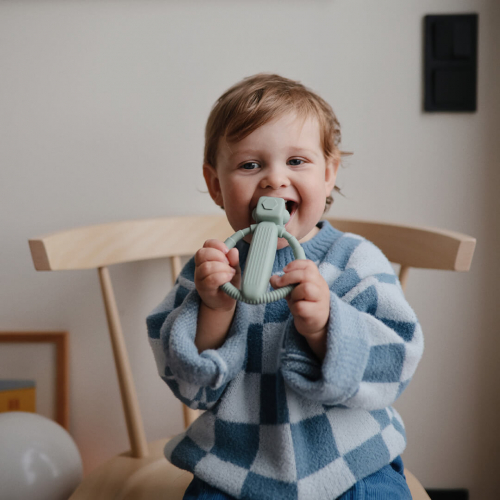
x: 233, y: 258
x: 219, y: 245
x: 209, y: 255
x: 234, y: 261
x: 291, y: 278
x: 214, y: 281
x: 213, y: 267
x: 306, y: 292
x: 303, y: 309
x: 298, y: 271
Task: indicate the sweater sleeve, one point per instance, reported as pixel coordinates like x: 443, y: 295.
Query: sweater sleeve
x: 198, y: 380
x: 374, y: 340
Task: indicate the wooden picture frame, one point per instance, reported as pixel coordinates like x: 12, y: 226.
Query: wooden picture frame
x: 61, y: 342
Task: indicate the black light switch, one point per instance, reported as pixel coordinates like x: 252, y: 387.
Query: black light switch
x: 451, y: 62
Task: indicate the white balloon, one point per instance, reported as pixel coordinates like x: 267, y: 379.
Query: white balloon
x: 38, y: 458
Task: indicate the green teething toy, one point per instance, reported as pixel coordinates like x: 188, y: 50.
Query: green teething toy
x: 271, y: 217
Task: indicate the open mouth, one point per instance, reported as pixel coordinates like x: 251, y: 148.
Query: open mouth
x: 291, y: 207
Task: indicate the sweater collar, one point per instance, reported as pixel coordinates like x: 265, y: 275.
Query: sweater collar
x: 315, y: 248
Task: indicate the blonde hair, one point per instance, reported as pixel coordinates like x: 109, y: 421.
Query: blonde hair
x: 256, y: 100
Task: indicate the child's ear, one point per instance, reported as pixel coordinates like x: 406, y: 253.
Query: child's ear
x: 213, y: 184
x: 331, y: 169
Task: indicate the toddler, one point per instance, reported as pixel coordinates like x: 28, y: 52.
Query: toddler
x: 298, y: 392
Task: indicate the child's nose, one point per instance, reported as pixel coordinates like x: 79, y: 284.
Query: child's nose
x: 275, y: 178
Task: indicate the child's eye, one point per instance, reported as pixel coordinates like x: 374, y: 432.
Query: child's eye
x: 250, y: 165
x: 295, y: 162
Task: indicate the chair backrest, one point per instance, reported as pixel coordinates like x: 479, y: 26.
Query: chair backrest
x: 97, y: 247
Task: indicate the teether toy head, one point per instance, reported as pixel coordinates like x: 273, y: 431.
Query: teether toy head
x: 270, y: 209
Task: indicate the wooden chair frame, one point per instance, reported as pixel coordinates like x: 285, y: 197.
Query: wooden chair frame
x: 97, y: 247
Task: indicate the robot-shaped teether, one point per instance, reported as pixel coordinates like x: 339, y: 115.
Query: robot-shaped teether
x: 271, y: 217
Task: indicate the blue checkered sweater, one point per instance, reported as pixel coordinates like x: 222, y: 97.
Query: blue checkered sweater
x: 279, y: 423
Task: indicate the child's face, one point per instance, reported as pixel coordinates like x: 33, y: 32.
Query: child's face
x: 282, y: 158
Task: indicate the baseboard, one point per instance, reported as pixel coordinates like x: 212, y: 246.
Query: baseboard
x: 442, y: 494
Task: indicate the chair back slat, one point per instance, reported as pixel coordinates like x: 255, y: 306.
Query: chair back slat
x: 410, y: 246
x: 106, y: 244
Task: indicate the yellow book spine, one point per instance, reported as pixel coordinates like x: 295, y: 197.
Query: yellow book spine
x: 18, y: 400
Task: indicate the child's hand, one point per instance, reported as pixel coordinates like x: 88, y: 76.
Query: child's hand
x: 215, y: 265
x: 309, y: 301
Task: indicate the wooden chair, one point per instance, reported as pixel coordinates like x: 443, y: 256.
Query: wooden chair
x: 143, y: 472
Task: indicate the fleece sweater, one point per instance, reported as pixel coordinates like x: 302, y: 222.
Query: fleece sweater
x: 279, y: 423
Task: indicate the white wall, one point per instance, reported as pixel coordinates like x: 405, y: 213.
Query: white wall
x: 103, y: 105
